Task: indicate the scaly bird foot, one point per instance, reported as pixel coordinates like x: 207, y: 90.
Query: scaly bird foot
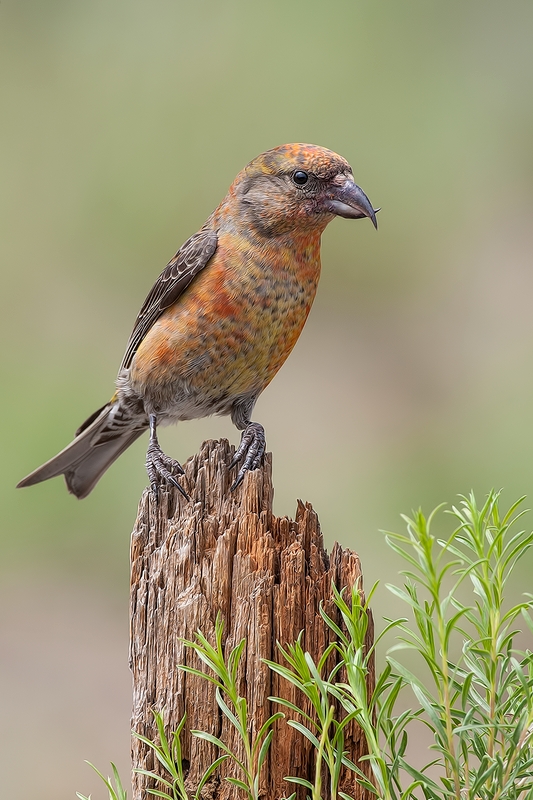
x: 159, y: 465
x: 252, y: 449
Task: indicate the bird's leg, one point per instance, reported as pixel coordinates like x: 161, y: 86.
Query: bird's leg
x: 159, y: 465
x: 251, y: 449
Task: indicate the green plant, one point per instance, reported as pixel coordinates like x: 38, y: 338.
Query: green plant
x: 116, y: 792
x: 323, y: 730
x: 476, y: 698
x: 323, y: 727
x: 169, y: 756
x: 224, y: 677
x: 480, y: 709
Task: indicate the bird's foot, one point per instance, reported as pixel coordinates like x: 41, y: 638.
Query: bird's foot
x: 251, y: 449
x: 160, y: 466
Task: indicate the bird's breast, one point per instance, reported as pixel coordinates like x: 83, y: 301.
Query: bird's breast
x: 235, y: 325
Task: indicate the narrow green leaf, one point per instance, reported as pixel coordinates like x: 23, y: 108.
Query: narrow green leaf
x: 293, y: 707
x: 208, y: 737
x: 228, y: 713
x: 300, y: 781
x: 153, y: 775
x: 263, y: 729
x: 264, y: 750
x: 240, y: 784
x: 207, y: 774
x: 304, y: 731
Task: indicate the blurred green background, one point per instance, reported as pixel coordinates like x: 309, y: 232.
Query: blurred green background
x: 122, y: 126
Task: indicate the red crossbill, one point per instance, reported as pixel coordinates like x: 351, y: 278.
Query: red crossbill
x: 222, y: 317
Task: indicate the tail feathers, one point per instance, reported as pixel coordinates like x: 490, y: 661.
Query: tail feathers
x: 83, y: 462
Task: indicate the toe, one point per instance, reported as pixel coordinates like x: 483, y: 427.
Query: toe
x: 250, y: 451
x: 160, y: 467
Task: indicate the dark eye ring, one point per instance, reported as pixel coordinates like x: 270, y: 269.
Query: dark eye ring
x: 300, y: 177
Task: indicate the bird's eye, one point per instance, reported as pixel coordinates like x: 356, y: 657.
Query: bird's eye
x: 300, y: 177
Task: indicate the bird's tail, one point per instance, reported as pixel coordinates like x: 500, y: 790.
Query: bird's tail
x: 101, y: 439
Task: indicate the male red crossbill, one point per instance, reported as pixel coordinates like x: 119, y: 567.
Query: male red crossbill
x: 222, y: 317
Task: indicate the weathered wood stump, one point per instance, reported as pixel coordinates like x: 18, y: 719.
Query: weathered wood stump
x: 226, y: 551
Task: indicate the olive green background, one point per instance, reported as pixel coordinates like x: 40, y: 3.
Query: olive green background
x: 122, y: 125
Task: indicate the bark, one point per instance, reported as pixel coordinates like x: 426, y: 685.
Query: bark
x: 226, y: 552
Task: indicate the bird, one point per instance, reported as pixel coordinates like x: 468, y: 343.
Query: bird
x: 221, y: 318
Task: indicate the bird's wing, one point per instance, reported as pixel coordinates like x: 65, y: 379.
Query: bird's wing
x: 190, y: 259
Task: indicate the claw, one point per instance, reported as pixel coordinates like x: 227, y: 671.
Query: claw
x: 252, y: 449
x: 159, y: 465
x: 238, y: 480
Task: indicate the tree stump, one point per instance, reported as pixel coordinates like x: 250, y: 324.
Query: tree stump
x: 226, y: 552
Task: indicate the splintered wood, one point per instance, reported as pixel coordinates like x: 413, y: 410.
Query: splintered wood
x: 226, y: 552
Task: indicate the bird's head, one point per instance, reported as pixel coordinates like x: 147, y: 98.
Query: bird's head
x: 298, y: 187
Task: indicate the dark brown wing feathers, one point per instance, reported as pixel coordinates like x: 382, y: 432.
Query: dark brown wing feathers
x: 190, y: 259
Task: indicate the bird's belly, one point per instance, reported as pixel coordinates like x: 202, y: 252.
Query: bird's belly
x: 217, y: 344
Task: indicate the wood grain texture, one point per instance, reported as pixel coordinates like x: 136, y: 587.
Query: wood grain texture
x: 226, y: 551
